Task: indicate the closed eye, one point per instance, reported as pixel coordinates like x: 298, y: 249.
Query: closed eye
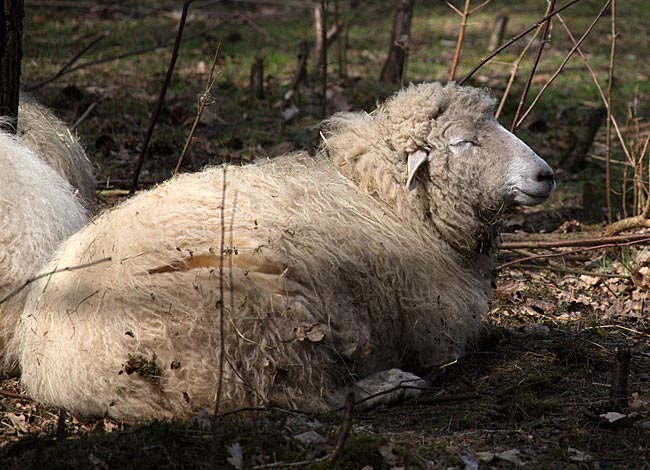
x: 463, y: 144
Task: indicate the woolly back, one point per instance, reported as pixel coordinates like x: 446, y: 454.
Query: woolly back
x: 47, y: 136
x: 38, y: 209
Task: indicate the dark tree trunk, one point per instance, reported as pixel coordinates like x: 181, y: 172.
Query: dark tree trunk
x: 299, y: 75
x: 619, y: 392
x: 257, y: 79
x: 497, y: 34
x: 11, y: 54
x: 394, y: 67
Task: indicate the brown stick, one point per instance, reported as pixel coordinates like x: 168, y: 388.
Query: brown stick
x: 161, y: 98
x: 14, y: 395
x: 608, y: 135
x: 62, y: 71
x: 580, y: 242
x: 299, y: 75
x: 620, y: 373
x: 531, y: 75
x: 345, y: 427
x: 459, y: 42
x: 204, y: 100
x: 60, y: 425
x: 628, y: 223
x: 221, y: 305
x: 323, y: 56
x: 492, y: 54
x: 556, y: 255
x: 257, y: 79
x: 394, y: 69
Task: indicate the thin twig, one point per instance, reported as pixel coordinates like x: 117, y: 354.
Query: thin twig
x: 531, y: 75
x: 161, y: 97
x: 461, y: 34
x: 579, y: 250
x: 600, y: 91
x: 15, y: 395
x: 204, y: 100
x: 66, y: 68
x: 608, y: 135
x: 222, y: 348
x: 345, y: 427
x: 50, y: 273
x: 578, y: 272
x: 137, y: 52
x: 323, y: 52
x: 574, y: 242
x: 513, y: 72
x: 561, y: 66
x: 492, y: 54
x: 83, y: 116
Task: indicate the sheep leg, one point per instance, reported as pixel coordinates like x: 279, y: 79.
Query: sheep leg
x: 388, y: 387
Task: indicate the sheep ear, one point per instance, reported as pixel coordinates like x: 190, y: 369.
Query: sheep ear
x: 415, y: 159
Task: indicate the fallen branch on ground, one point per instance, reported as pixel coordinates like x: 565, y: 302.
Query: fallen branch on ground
x: 606, y: 241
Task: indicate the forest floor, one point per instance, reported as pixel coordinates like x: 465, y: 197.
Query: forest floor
x: 534, y: 394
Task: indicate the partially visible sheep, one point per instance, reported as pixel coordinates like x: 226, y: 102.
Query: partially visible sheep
x: 361, y: 267
x: 48, y: 137
x: 38, y: 209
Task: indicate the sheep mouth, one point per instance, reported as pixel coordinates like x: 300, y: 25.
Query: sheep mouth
x: 532, y: 198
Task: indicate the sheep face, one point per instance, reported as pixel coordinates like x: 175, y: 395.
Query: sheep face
x: 505, y: 168
x: 462, y: 144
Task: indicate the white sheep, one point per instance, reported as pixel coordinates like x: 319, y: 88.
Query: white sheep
x: 359, y: 268
x: 38, y: 209
x: 47, y: 136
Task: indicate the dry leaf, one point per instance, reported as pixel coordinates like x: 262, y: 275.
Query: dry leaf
x: 19, y: 422
x: 310, y: 437
x: 511, y: 456
x: 311, y: 331
x: 470, y: 460
x: 236, y: 458
x: 613, y: 416
x: 485, y: 456
x: 577, y: 455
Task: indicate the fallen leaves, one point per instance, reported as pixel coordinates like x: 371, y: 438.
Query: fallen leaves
x: 309, y: 331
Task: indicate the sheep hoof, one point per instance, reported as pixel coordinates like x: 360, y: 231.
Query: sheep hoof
x: 388, y: 387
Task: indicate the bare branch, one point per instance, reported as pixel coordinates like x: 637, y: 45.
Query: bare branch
x: 204, y: 100
x: 161, y: 97
x: 561, y: 66
x: 459, y: 42
x: 531, y: 75
x: 492, y: 54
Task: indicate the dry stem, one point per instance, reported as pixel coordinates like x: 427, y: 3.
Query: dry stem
x: 492, y: 54
x: 461, y: 34
x: 531, y: 75
x: 561, y: 66
x: 205, y: 99
x: 161, y: 97
x: 513, y: 72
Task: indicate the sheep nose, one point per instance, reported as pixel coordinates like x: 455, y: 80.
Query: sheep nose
x: 545, y: 175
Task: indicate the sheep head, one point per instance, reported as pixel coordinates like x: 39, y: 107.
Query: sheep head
x: 462, y: 166
x: 453, y: 129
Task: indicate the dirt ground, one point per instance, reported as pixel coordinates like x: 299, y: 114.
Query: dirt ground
x: 535, y: 393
